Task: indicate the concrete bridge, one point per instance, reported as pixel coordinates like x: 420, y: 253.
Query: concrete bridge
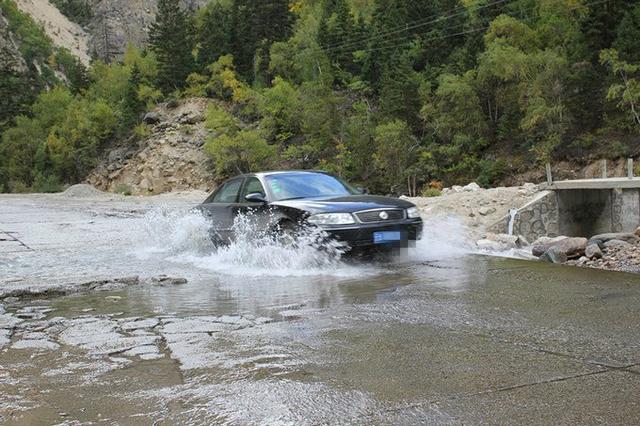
x: 583, y: 208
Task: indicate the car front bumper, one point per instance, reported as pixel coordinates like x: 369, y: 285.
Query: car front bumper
x: 361, y: 234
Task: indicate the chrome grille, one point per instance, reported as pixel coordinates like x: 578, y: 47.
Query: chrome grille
x: 370, y: 216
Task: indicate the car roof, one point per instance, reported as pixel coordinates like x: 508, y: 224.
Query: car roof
x: 278, y: 172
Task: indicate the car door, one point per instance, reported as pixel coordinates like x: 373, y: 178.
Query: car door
x: 221, y: 207
x: 257, y: 212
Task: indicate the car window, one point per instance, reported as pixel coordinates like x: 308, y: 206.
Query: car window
x: 228, y: 193
x: 251, y: 185
x: 286, y: 186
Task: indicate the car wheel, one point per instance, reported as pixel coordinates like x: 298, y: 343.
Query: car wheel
x: 287, y: 233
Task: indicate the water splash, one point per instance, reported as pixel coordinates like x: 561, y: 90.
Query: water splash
x: 176, y: 231
x: 255, y: 251
x: 443, y: 237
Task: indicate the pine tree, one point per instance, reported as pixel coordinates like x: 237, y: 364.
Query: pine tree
x: 132, y: 105
x: 256, y: 25
x: 213, y: 34
x: 337, y: 34
x: 171, y: 39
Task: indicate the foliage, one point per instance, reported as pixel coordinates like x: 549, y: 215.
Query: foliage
x: 378, y: 91
x: 430, y: 192
x: 236, y: 150
x: 626, y: 90
x: 171, y: 39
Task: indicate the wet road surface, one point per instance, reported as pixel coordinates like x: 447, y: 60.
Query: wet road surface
x: 257, y: 337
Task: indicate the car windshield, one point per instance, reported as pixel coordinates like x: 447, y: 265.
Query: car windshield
x: 287, y: 186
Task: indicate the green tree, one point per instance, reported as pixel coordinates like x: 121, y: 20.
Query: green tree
x: 396, y: 149
x: 171, y: 39
x: 626, y: 90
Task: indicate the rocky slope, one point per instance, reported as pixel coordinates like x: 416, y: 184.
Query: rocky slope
x: 58, y: 27
x: 170, y: 158
x: 115, y: 23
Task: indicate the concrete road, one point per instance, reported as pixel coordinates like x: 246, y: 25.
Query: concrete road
x: 262, y: 334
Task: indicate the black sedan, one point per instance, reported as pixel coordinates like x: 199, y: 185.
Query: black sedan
x: 286, y: 200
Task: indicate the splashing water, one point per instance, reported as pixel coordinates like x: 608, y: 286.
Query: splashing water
x: 177, y: 232
x: 443, y: 237
x: 254, y: 252
x: 184, y: 238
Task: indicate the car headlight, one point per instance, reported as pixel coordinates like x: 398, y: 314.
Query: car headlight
x: 331, y: 219
x: 413, y: 213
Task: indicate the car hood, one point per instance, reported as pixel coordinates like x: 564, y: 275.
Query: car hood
x: 350, y: 203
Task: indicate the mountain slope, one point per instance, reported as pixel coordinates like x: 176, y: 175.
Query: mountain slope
x: 58, y: 27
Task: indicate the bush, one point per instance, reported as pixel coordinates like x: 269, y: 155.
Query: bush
x: 46, y: 184
x: 123, y: 189
x: 430, y: 192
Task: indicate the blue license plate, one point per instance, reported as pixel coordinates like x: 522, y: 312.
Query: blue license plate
x: 386, y: 237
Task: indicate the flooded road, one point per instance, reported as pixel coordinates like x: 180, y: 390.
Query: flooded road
x: 261, y: 334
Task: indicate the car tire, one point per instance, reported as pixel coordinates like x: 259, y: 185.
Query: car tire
x: 287, y: 233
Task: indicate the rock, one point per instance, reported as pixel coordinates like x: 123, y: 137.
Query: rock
x: 472, y: 187
x: 554, y: 255
x: 637, y: 231
x: 593, y: 251
x: 165, y: 280
x: 597, y: 242
x: 484, y: 211
x: 619, y: 244
x: 569, y: 247
x: 489, y: 245
x: 5, y: 337
x: 522, y: 241
x: 36, y: 344
x: 456, y: 189
x: 542, y: 244
x: 622, y: 236
x: 509, y: 241
x: 152, y: 117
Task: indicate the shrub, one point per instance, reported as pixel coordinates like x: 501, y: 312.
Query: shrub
x: 430, y: 192
x: 123, y: 189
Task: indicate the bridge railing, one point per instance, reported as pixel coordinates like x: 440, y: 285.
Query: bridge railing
x: 605, y: 173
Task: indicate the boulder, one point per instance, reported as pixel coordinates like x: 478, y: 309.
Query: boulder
x: 596, y: 242
x: 593, y: 251
x: 472, y: 187
x: 572, y: 247
x: 554, y: 255
x: 152, y: 117
x: 637, y: 231
x: 484, y: 211
x: 622, y: 236
x: 543, y: 244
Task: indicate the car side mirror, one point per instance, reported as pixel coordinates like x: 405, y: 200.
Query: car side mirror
x: 255, y: 197
x: 362, y: 190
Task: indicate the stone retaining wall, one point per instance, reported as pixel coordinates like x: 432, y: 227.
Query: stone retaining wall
x: 537, y: 218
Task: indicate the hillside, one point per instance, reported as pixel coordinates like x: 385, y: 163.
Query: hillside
x: 58, y: 27
x: 169, y: 158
